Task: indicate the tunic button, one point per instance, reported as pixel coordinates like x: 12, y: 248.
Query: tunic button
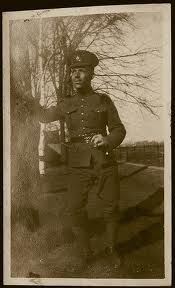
x: 82, y: 113
x: 82, y: 106
x: 84, y: 128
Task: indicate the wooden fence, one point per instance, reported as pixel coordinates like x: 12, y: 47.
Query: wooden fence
x: 149, y: 154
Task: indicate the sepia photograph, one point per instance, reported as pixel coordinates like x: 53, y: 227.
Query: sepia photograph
x: 87, y: 146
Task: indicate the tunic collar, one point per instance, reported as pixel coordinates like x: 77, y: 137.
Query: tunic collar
x: 88, y: 93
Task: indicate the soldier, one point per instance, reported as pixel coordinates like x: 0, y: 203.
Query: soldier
x: 90, y: 157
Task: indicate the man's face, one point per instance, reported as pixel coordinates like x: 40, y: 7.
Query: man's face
x: 81, y: 77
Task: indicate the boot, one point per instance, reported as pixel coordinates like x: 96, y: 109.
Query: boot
x: 82, y: 241
x: 112, y: 257
x: 111, y: 243
x: 111, y: 234
x: 107, y: 263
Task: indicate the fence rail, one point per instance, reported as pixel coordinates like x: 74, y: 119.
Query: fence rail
x: 151, y: 154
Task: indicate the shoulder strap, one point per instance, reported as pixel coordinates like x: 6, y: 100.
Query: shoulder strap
x: 103, y: 98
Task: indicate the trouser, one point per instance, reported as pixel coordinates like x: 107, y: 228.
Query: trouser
x: 80, y: 182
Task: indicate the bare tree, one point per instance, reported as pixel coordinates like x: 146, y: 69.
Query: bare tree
x: 118, y: 73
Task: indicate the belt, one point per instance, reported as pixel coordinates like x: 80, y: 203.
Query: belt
x: 85, y: 138
x: 81, y: 139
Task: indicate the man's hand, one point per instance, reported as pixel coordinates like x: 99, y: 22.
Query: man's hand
x: 99, y: 140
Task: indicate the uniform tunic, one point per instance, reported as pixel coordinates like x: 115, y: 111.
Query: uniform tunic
x: 85, y: 116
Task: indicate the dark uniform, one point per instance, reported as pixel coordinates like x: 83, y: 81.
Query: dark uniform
x: 87, y: 115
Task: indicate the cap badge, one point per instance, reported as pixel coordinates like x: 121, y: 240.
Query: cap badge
x: 78, y: 58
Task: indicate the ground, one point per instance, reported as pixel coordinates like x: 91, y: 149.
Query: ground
x: 140, y: 241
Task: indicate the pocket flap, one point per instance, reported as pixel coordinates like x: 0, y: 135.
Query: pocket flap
x: 71, y: 110
x: 99, y: 110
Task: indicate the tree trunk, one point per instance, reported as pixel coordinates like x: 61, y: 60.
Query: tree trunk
x: 24, y: 137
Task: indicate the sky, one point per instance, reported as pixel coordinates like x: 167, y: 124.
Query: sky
x: 141, y: 125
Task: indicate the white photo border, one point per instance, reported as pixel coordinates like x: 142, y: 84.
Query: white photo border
x: 165, y: 9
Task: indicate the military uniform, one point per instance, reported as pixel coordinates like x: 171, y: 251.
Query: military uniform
x: 87, y: 115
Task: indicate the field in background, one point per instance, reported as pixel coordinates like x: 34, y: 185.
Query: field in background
x: 148, y: 154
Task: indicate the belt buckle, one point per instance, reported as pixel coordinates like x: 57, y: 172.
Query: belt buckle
x: 87, y: 138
